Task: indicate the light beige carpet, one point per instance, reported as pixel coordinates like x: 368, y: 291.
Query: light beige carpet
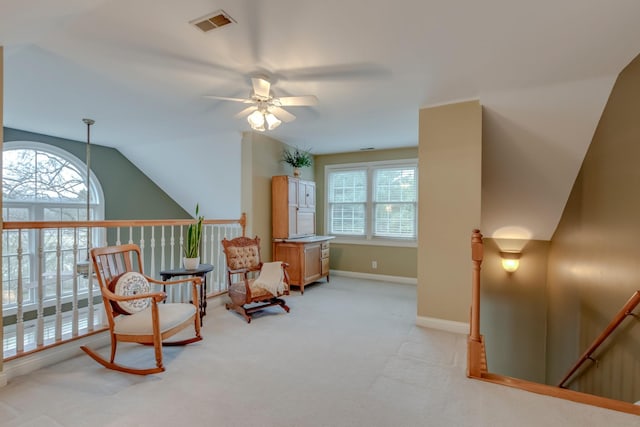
x: 348, y: 354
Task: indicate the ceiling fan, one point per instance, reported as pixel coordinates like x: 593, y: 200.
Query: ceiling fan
x: 266, y: 112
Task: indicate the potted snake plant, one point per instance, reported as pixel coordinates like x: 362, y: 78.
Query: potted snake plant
x: 191, y: 247
x: 297, y: 158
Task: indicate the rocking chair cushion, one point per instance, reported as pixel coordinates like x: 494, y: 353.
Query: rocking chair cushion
x: 128, y: 284
x: 239, y: 257
x: 254, y: 291
x: 140, y: 323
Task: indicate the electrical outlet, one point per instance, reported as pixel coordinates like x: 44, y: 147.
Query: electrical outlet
x: 374, y: 264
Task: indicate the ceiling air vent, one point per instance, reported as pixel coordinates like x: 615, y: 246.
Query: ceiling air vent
x: 211, y: 21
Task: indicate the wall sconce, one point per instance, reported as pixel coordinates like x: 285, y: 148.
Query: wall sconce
x: 510, y: 261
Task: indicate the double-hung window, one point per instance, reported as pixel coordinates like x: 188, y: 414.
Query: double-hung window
x: 372, y: 201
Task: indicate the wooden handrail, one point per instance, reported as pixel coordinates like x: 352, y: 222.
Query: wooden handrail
x: 625, y: 311
x: 15, y: 225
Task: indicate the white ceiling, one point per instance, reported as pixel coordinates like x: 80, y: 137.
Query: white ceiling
x: 542, y: 70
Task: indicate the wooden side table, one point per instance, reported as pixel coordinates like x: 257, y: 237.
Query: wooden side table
x: 201, y: 271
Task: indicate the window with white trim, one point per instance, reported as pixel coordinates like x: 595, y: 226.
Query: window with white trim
x: 374, y: 200
x: 41, y: 182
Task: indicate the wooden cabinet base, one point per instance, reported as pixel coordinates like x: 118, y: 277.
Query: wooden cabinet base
x: 308, y: 259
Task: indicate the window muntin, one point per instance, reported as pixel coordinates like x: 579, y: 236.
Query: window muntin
x: 376, y: 200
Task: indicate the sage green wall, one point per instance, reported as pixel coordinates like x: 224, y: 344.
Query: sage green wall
x: 593, y: 261
x: 128, y: 193
x: 513, y: 311
x: 261, y: 157
x: 392, y: 261
x: 450, y: 164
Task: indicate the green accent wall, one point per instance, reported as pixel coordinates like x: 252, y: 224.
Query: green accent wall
x: 128, y: 193
x: 392, y: 260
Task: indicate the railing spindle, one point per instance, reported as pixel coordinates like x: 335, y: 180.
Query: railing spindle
x: 152, y: 243
x: 141, y: 244
x: 74, y: 304
x: 40, y: 309
x: 58, y: 286
x: 20, y: 300
x: 172, y: 243
x: 91, y: 309
x: 205, y: 244
x: 162, y: 247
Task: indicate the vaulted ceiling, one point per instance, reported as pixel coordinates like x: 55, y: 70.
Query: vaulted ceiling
x: 542, y: 70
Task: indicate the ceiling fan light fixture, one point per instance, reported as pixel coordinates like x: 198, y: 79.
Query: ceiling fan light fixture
x: 265, y: 111
x: 256, y: 120
x: 272, y: 121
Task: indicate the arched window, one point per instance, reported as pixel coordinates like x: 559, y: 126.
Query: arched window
x: 41, y: 182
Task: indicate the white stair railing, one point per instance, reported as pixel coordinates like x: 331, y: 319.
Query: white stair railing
x: 47, y: 301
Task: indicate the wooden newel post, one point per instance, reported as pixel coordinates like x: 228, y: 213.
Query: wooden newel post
x: 476, y: 258
x: 476, y: 357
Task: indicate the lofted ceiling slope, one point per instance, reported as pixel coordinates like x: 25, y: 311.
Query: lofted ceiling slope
x: 542, y: 70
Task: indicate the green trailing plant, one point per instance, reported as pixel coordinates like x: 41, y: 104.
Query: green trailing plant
x: 191, y: 248
x: 297, y: 157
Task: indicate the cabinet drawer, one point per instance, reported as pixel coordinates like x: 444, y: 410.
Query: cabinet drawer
x: 325, y: 266
x: 325, y: 245
x: 325, y: 253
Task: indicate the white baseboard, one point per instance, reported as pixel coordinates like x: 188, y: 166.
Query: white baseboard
x: 27, y: 364
x: 443, y: 325
x: 379, y: 277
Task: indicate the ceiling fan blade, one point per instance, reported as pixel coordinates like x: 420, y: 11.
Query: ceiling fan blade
x: 255, y: 29
x: 351, y: 71
x: 245, y: 112
x: 282, y: 114
x: 225, y: 98
x: 261, y: 87
x: 297, y: 100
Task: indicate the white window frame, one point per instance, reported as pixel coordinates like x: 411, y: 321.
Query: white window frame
x: 36, y: 212
x: 369, y: 238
